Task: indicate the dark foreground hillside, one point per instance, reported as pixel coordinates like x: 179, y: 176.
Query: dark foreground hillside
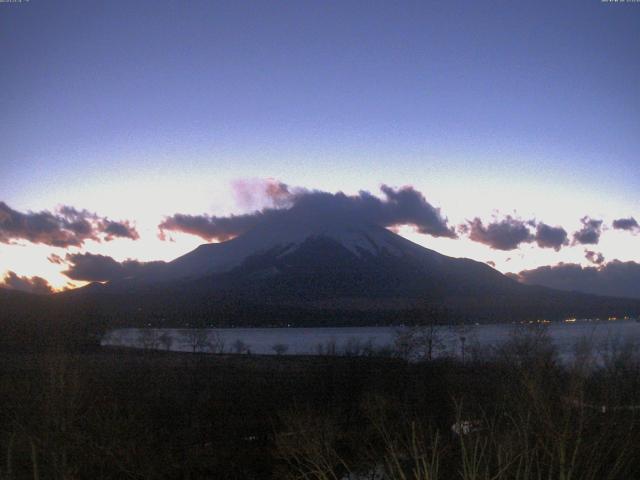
x: 117, y: 414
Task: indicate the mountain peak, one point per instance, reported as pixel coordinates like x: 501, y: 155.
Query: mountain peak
x: 287, y: 236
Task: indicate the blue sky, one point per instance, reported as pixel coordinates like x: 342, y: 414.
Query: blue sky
x: 137, y: 110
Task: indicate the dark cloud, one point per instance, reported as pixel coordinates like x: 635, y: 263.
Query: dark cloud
x: 505, y: 234
x: 626, y: 224
x: 119, y: 229
x: 594, y: 257
x: 91, y: 267
x: 590, y: 232
x: 210, y: 227
x: 62, y: 230
x: 615, y: 278
x: 403, y: 206
x: 551, y: 237
x: 26, y: 284
x: 407, y: 206
x: 66, y: 227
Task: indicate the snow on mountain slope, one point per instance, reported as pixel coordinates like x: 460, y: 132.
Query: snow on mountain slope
x: 221, y: 257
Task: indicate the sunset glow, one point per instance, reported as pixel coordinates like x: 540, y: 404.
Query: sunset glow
x: 128, y: 118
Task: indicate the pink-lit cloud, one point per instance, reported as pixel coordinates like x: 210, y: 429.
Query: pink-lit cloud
x: 34, y: 284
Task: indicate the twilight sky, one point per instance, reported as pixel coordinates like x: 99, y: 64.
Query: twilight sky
x: 516, y: 125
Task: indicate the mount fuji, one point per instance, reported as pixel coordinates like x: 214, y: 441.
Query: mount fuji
x: 322, y: 271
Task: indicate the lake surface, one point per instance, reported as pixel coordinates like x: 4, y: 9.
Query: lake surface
x: 312, y: 341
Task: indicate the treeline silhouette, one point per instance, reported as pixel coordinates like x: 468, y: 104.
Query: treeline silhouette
x: 93, y: 312
x: 33, y: 323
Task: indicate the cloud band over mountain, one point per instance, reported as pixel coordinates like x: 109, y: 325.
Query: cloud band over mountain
x: 401, y: 206
x: 69, y: 227
x: 398, y: 206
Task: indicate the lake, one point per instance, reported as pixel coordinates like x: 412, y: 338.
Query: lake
x: 312, y: 341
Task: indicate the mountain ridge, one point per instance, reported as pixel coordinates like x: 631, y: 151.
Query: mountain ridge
x: 341, y: 273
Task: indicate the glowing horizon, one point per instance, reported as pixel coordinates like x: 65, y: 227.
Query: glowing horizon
x: 28, y: 259
x: 529, y: 111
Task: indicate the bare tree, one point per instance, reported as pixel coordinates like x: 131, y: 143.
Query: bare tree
x: 420, y: 342
x: 463, y: 333
x: 148, y: 338
x: 280, y: 348
x: 216, y: 342
x: 528, y: 345
x: 240, y: 347
x: 404, y: 342
x: 616, y: 351
x: 368, y: 348
x: 353, y: 347
x: 197, y: 339
x: 431, y: 339
x: 166, y: 340
x: 328, y: 348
